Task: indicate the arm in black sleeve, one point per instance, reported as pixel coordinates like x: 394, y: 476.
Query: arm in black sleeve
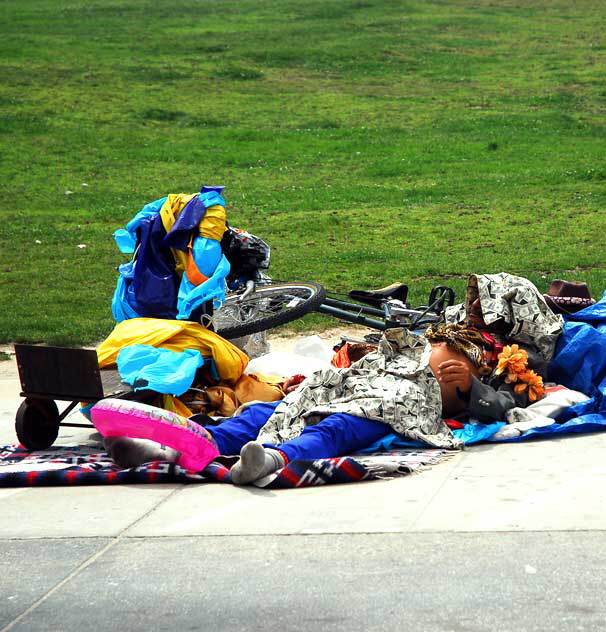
x: 488, y: 404
x: 537, y: 362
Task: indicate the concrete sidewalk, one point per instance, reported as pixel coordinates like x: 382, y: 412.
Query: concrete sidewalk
x: 499, y: 537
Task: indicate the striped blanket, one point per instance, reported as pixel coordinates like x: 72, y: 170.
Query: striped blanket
x: 83, y: 465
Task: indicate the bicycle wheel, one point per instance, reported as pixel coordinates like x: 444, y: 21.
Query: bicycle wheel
x: 268, y: 306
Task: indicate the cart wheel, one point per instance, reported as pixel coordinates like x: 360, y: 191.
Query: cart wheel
x: 37, y: 423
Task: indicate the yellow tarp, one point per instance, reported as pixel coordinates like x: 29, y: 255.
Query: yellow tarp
x: 176, y: 335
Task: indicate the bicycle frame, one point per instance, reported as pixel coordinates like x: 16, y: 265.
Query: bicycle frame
x: 394, y: 313
x: 338, y: 309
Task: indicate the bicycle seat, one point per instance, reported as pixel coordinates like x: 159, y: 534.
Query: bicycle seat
x: 376, y: 297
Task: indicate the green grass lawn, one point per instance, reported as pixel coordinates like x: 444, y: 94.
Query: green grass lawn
x: 366, y: 141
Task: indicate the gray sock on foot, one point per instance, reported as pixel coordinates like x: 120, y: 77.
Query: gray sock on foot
x: 127, y: 452
x: 255, y: 463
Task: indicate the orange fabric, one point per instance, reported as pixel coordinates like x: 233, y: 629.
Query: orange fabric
x: 193, y: 272
x: 250, y: 388
x: 349, y: 353
x: 341, y: 357
x: 223, y: 400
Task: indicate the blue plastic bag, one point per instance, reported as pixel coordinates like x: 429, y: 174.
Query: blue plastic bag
x: 160, y: 370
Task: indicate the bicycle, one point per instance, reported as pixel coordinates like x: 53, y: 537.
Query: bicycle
x: 261, y: 305
x: 265, y: 304
x: 385, y: 311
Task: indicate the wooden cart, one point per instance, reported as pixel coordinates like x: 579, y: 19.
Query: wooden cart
x: 51, y: 374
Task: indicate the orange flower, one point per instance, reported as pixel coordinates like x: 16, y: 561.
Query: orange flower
x: 512, y: 360
x: 533, y: 382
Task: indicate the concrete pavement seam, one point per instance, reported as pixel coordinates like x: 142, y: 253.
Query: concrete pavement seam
x: 81, y: 567
x: 308, y: 534
x: 456, y: 460
x: 60, y: 584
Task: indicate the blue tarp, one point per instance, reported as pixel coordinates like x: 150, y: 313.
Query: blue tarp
x: 212, y: 263
x: 126, y: 238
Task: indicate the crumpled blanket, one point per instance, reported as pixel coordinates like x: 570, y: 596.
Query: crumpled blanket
x: 519, y: 303
x: 394, y: 385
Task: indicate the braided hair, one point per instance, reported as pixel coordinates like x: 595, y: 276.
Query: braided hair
x: 465, y: 340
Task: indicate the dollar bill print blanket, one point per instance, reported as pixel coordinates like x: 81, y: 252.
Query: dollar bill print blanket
x: 394, y: 385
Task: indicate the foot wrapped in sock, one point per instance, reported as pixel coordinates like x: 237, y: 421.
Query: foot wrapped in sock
x: 127, y: 452
x: 255, y: 463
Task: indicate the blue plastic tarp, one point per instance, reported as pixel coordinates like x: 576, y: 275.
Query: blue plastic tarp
x: 580, y: 362
x: 212, y: 263
x: 126, y: 238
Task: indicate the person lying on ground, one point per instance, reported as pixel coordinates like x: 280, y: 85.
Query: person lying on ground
x: 336, y: 412
x: 521, y: 333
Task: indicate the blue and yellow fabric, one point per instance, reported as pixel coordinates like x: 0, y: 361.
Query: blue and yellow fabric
x: 178, y: 263
x: 177, y: 266
x: 175, y: 335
